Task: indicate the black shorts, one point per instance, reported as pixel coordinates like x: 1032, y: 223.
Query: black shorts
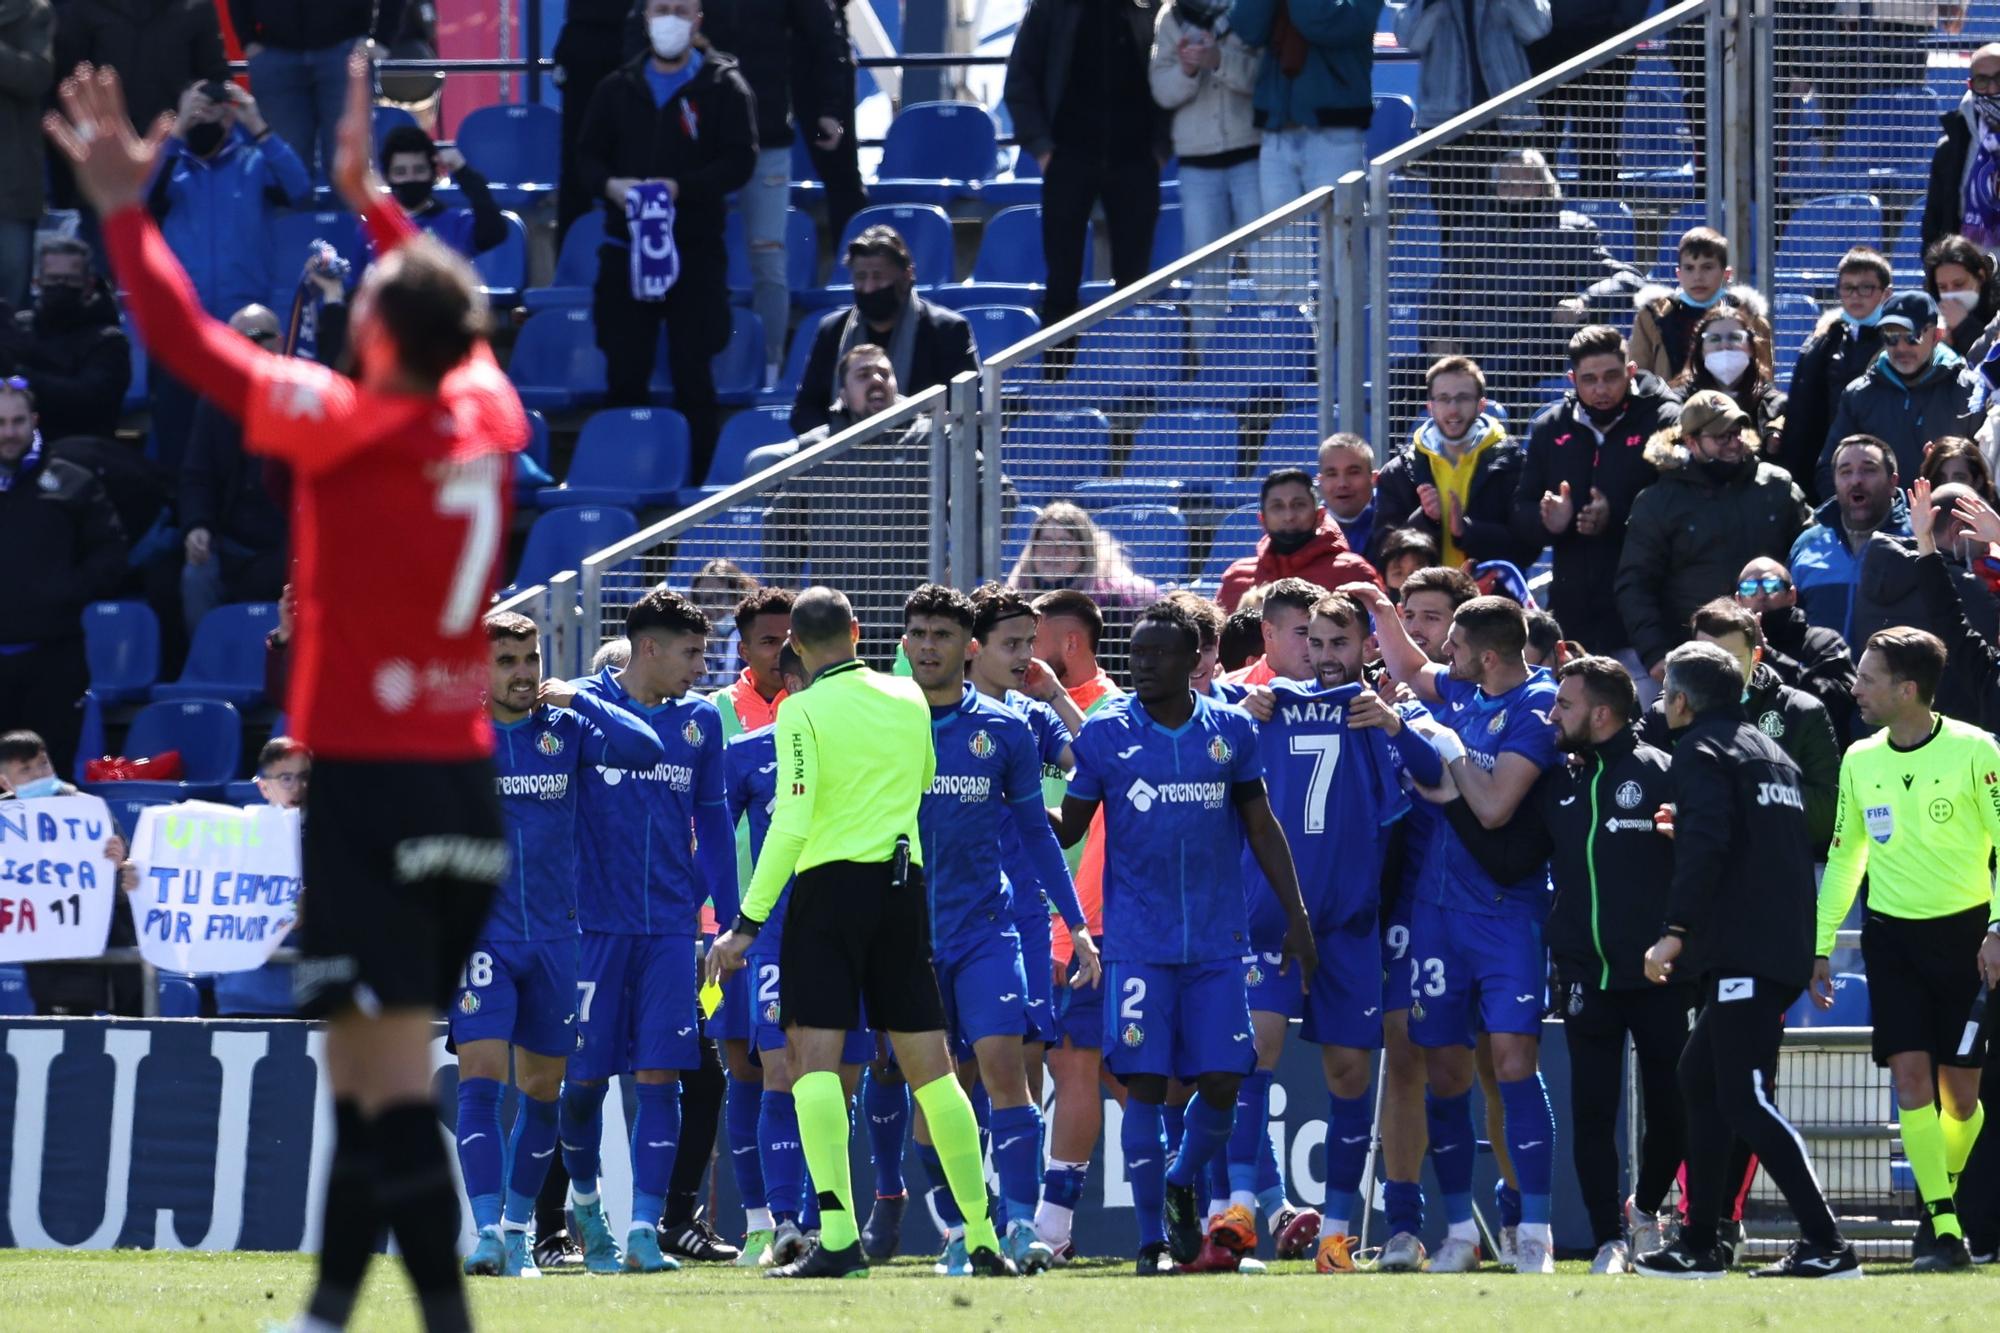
x: 851, y: 937
x: 1923, y: 980
x: 400, y: 864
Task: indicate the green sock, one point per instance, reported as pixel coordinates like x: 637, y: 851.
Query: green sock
x: 1959, y: 1136
x: 822, y: 1108
x: 955, y: 1135
x: 1923, y: 1144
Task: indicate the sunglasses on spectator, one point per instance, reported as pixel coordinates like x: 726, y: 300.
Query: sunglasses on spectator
x: 1740, y: 338
x: 1896, y: 338
x: 262, y: 336
x: 1769, y: 585
x: 1983, y: 83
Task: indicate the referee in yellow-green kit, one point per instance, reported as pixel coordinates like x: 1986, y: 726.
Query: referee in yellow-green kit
x: 854, y: 762
x: 1919, y: 814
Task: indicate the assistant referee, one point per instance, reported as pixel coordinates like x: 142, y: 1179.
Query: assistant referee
x: 855, y: 759
x: 1919, y: 814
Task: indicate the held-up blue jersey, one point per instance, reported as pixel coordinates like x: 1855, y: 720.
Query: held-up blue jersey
x: 1173, y: 882
x: 1334, y: 791
x: 750, y: 762
x: 539, y: 761
x: 1516, y: 722
x: 1051, y: 739
x: 636, y: 872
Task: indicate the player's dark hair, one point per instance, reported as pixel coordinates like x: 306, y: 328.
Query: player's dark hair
x: 821, y: 615
x: 1597, y: 340
x: 1172, y: 611
x: 20, y: 747
x: 1069, y: 604
x: 940, y: 599
x: 1453, y: 582
x: 1875, y: 442
x: 278, y: 749
x: 667, y: 611
x: 1545, y: 636
x: 509, y: 625
x: 1705, y: 675
x: 1493, y: 625
x: 1608, y: 684
x: 762, y: 602
x: 1300, y: 595
x: 406, y: 139
x: 1208, y: 616
x: 1913, y: 655
x: 1342, y: 609
x: 994, y: 604
x: 1284, y: 476
x: 431, y: 305
x: 1242, y: 639
x: 1724, y: 616
x: 1455, y: 365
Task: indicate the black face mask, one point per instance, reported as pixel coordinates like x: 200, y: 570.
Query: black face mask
x: 880, y: 305
x: 1721, y: 473
x: 412, y: 195
x: 1290, y: 543
x: 60, y: 303
x: 204, y: 139
x: 1607, y: 415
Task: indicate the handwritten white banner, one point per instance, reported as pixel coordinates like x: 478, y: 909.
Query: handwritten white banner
x: 218, y: 886
x: 56, y: 886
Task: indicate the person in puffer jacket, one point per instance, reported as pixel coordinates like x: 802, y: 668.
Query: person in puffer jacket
x: 1457, y: 479
x: 1916, y: 390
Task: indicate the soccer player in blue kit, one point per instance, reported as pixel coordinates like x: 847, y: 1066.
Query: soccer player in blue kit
x: 1474, y: 940
x: 1182, y: 786
x: 653, y: 846
x: 518, y: 991
x: 988, y: 779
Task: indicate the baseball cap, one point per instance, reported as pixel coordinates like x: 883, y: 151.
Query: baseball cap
x: 1710, y: 408
x: 1912, y: 310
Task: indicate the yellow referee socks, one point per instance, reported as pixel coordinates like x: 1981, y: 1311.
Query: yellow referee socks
x: 955, y: 1135
x: 1959, y: 1136
x: 822, y: 1107
x: 1923, y: 1144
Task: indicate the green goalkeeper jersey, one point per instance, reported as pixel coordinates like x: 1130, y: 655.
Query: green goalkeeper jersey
x: 1920, y: 823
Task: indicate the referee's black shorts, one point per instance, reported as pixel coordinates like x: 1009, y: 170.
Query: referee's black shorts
x: 400, y: 862
x: 851, y: 937
x: 1923, y: 980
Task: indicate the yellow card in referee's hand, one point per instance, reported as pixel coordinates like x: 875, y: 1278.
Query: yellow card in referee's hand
x: 710, y: 998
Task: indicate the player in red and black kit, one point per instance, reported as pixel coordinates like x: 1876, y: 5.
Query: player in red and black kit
x: 399, y: 508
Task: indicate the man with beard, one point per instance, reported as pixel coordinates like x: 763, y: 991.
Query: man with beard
x: 1827, y: 557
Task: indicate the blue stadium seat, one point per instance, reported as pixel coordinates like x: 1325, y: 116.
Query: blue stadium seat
x: 1416, y: 252
x: 576, y: 266
x: 1821, y: 230
x: 1886, y: 144
x: 1794, y: 316
x: 1391, y: 127
x: 556, y: 365
x: 1616, y: 230
x: 742, y: 433
x: 1291, y: 440
x: 179, y: 996
x: 936, y: 152
x: 923, y: 227
x: 1255, y: 356
x: 796, y: 355
x: 737, y: 535
x: 121, y: 641
x: 1010, y: 249
x: 1138, y: 353
x: 630, y: 456
x: 538, y: 438
x: 243, y: 793
x: 1155, y: 539
x: 288, y: 238
x: 16, y: 1000
x: 1684, y: 220
x: 561, y: 538
x: 518, y: 147
x: 998, y: 327
x: 1022, y: 185
x: 1049, y: 454
x: 738, y: 369
x: 1196, y: 449
x: 1906, y: 256
x: 1235, y: 537
x: 1128, y: 492
x: 801, y: 253
x: 207, y: 732
x: 1167, y: 237
x: 125, y: 806
x: 503, y: 270
x: 226, y: 660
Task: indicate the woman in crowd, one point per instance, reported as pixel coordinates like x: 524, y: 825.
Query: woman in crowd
x: 1959, y: 276
x: 1732, y: 353
x: 717, y: 588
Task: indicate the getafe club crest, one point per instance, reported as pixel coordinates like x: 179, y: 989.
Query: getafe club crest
x: 981, y: 745
x: 1219, y: 751
x: 549, y: 743
x: 691, y: 733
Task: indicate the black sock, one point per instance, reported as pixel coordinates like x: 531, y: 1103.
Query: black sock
x: 347, y: 1237
x: 551, y: 1203
x: 702, y: 1091
x: 421, y: 1207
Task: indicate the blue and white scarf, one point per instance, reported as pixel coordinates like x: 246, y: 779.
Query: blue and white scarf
x: 656, y: 263
x: 1981, y: 192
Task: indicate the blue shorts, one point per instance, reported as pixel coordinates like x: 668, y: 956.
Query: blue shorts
x: 1079, y: 1013
x: 985, y: 990
x: 1344, y: 1007
x: 636, y: 1005
x: 1269, y: 992
x: 1039, y: 968
x: 1180, y: 1020
x: 760, y: 990
x: 1459, y: 957
x: 519, y: 991
x: 732, y: 1020
x: 1396, y: 956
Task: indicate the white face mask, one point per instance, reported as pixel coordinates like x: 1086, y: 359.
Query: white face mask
x: 1726, y: 365
x: 1966, y: 300
x: 670, y: 35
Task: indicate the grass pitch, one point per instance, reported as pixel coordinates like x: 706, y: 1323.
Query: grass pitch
x: 143, y: 1290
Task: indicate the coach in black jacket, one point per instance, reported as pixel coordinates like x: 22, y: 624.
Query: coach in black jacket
x: 703, y: 141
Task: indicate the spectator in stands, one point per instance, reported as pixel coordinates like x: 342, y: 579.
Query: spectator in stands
x: 284, y: 771
x: 1457, y: 479
x: 70, y: 346
x: 867, y: 386
x: 1347, y: 489
x: 27, y: 70
x: 927, y: 343
x: 1732, y: 353
x: 1077, y: 91
x: 1663, y: 327
x: 1066, y: 550
x: 1203, y: 73
x: 1715, y: 507
x: 411, y: 164
x: 1953, y: 458
x: 1840, y: 351
x: 588, y: 50
x: 1917, y: 390
x: 158, y: 47
x: 233, y: 505
x: 1970, y: 690
x: 716, y: 588
x: 679, y: 116
x: 1806, y: 656
x: 1893, y: 38
x: 298, y: 52
x: 1301, y: 540
x: 1584, y: 465
x: 1963, y: 197
x: 1312, y: 98
x: 1960, y: 278
x: 1546, y: 645
x: 837, y: 163
x: 1826, y: 559
x: 278, y: 648
x: 1592, y: 106
x: 1404, y: 552
x: 63, y: 548
x: 1242, y: 642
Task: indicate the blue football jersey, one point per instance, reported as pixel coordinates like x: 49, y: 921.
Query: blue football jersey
x: 1516, y: 722
x: 636, y: 872
x: 1335, y: 792
x: 1051, y: 739
x: 750, y: 765
x: 986, y: 763
x: 538, y: 762
x: 1173, y: 881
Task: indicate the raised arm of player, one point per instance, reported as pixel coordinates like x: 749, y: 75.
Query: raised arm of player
x: 354, y: 176
x: 1274, y: 856
x: 1407, y: 663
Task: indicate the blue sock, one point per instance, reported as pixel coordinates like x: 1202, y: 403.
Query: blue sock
x: 1451, y: 1151
x: 938, y: 1192
x: 582, y: 1125
x: 1507, y: 1202
x: 1348, y: 1129
x: 887, y: 1106
x: 784, y: 1155
x: 1062, y: 1184
x: 1017, y: 1160
x: 746, y: 1101
x: 1403, y: 1202
x: 656, y: 1133
x: 1173, y: 1119
x: 1144, y: 1139
x: 1250, y: 1138
x: 479, y: 1147
x: 1215, y: 1179
x: 1206, y: 1134
x: 533, y: 1146
x: 1531, y: 1139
